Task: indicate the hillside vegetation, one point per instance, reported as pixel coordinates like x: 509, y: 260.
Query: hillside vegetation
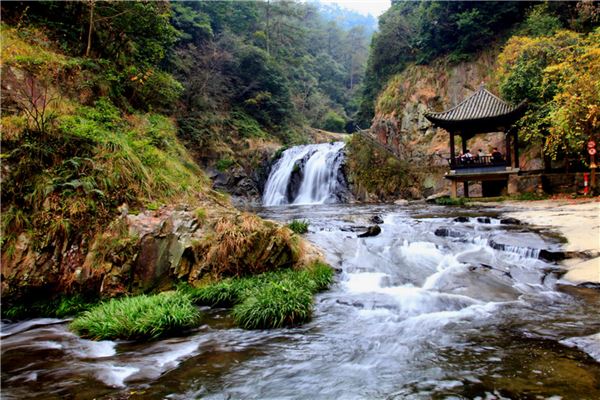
x: 100, y: 197
x: 432, y: 55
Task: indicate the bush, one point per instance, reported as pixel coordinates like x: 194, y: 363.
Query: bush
x: 140, y: 317
x: 298, y: 226
x: 333, y: 122
x: 269, y: 300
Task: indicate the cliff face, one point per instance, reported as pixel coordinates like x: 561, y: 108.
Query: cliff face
x: 400, y: 114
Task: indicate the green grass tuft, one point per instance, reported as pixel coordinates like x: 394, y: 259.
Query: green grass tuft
x: 298, y: 226
x: 268, y: 300
x: 140, y: 317
x: 275, y: 305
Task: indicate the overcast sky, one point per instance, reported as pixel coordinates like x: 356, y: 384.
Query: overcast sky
x: 373, y: 7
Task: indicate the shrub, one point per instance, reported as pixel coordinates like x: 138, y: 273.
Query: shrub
x: 333, y: 122
x: 298, y: 226
x: 246, y: 126
x: 140, y: 317
x: 224, y: 164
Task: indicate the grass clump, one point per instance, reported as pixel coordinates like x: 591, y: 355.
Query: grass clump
x: 530, y: 196
x: 269, y: 300
x: 298, y: 226
x: 141, y: 317
x: 275, y: 305
x: 450, y: 201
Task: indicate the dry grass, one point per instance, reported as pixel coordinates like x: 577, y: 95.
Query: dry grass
x: 243, y: 244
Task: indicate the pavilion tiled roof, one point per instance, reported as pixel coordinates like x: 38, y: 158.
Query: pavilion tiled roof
x: 480, y: 105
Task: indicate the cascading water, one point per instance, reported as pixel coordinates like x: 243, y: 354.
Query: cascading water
x: 412, y: 315
x: 309, y: 174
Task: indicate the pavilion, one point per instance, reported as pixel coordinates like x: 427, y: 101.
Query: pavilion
x: 482, y: 112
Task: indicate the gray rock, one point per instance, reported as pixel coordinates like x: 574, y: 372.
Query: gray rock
x: 371, y: 231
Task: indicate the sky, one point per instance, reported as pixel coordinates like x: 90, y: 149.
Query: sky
x: 365, y: 7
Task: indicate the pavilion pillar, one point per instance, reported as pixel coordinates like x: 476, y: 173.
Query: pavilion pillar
x: 508, y: 149
x: 454, y: 189
x: 452, y: 152
x: 464, y: 150
x: 516, y: 145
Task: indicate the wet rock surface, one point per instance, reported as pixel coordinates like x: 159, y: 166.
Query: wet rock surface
x: 371, y: 231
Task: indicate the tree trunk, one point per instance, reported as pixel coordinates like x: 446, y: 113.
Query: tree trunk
x: 90, y: 29
x: 268, y: 28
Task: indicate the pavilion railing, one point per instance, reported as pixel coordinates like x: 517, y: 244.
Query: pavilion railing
x: 476, y: 162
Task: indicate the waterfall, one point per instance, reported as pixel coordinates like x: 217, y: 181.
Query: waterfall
x: 309, y: 174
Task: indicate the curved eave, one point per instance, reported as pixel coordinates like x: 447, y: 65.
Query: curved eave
x: 494, y: 123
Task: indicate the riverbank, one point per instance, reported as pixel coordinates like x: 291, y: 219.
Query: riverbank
x: 578, y: 220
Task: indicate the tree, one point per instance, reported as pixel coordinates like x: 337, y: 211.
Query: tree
x: 560, y: 76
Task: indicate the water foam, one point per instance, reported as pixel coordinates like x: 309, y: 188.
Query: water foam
x: 319, y: 175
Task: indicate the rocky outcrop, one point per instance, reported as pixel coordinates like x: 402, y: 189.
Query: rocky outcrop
x: 152, y: 251
x: 400, y: 115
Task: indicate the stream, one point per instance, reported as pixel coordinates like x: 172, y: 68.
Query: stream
x: 425, y: 310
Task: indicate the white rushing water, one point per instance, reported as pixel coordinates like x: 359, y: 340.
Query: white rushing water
x: 318, y: 166
x: 411, y: 315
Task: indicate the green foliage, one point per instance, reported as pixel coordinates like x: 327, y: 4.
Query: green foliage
x: 140, y: 317
x: 451, y: 201
x: 59, y: 307
x: 298, y: 226
x: 541, y: 22
x: 224, y: 164
x: 201, y: 215
x: 159, y: 92
x: 268, y: 300
x: 334, y: 122
x: 246, y: 126
x: 375, y: 170
x: 72, y: 181
x: 559, y: 76
x: 277, y: 304
x: 530, y: 196
x: 421, y: 31
x: 278, y: 71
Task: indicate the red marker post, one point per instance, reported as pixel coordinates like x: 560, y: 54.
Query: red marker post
x: 591, y: 145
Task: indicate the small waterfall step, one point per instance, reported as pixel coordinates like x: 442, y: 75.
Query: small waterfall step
x: 308, y: 174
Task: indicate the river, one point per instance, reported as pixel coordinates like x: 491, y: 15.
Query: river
x: 412, y: 315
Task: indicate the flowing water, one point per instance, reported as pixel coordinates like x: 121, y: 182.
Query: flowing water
x: 411, y: 315
x: 309, y: 174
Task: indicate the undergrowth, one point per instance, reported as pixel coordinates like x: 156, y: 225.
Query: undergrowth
x: 60, y: 307
x: 141, y: 317
x: 73, y: 178
x: 376, y: 171
x: 451, y: 201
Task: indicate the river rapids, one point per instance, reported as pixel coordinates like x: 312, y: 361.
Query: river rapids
x: 432, y: 308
